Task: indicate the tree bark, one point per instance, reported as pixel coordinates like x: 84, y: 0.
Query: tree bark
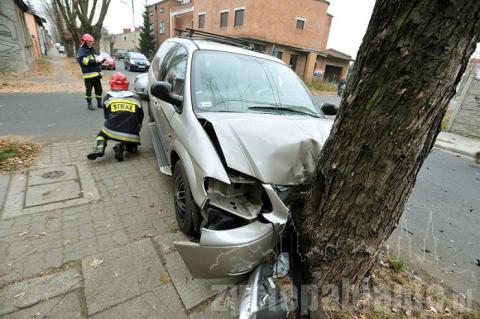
x: 412, y: 56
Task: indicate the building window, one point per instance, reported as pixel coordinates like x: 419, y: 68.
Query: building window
x: 124, y: 38
x: 224, y: 19
x: 300, y: 23
x: 277, y: 54
x: 293, y: 61
x: 201, y: 20
x: 239, y: 17
x: 161, y: 27
x: 162, y: 10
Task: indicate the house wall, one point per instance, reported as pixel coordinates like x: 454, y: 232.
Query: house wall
x: 15, y: 45
x: 278, y: 25
x: 160, y: 12
x: 276, y: 28
x: 32, y: 29
x: 128, y: 41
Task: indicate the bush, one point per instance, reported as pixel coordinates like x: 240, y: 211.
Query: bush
x: 396, y: 264
x: 322, y: 85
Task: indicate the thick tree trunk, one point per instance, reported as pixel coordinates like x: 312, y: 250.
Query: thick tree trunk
x: 412, y: 57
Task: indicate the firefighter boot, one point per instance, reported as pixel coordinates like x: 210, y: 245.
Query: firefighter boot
x: 119, y: 149
x: 99, y: 103
x: 89, y: 105
x: 130, y: 148
x: 99, y: 149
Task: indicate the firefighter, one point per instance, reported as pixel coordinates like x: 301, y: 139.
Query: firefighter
x: 123, y: 120
x: 91, y: 69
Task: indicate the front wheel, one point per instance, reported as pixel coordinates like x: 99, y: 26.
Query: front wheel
x: 185, y: 206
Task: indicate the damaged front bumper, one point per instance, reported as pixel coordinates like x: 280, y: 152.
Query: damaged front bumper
x: 236, y: 251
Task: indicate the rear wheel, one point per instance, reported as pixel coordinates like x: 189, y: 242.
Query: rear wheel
x: 185, y: 206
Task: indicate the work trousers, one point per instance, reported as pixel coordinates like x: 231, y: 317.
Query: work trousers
x: 97, y: 85
x: 129, y: 147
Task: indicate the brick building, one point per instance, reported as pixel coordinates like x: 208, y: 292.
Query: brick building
x: 295, y: 31
x: 128, y: 40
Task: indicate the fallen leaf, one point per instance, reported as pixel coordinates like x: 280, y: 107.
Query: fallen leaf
x: 95, y: 263
x: 116, y: 275
x: 164, y: 278
x: 23, y: 234
x: 136, y: 195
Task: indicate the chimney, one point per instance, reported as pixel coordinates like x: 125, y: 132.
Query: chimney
x: 126, y: 30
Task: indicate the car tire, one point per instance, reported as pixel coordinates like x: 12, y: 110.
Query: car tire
x: 185, y: 206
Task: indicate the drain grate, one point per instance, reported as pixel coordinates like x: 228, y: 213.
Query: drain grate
x: 53, y: 174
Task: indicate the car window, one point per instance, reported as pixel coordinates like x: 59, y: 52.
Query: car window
x: 176, y: 70
x: 138, y: 56
x: 160, y: 57
x: 228, y: 82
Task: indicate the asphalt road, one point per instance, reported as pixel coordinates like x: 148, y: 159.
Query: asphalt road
x: 55, y: 117
x: 437, y: 233
x: 439, y: 230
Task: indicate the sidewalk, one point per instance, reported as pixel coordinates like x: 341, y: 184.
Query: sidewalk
x: 458, y: 144
x: 82, y: 239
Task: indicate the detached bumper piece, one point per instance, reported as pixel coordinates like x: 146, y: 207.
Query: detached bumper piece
x: 262, y: 298
x: 225, y: 253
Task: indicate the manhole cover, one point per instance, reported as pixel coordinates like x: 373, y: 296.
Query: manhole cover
x: 53, y: 174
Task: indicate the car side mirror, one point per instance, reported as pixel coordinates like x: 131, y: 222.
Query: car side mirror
x: 163, y: 91
x: 329, y: 109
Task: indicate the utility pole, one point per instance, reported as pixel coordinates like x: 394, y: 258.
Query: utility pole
x: 134, y: 31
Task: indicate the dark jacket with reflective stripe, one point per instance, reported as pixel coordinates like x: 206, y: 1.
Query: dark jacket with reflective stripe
x: 123, y: 116
x: 86, y: 59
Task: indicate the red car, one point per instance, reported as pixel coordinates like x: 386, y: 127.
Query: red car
x: 109, y: 63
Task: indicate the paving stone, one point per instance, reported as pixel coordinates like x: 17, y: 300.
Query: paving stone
x: 126, y: 272
x: 29, y: 292
x: 166, y: 239
x: 193, y: 291
x: 52, y: 193
x: 52, y: 175
x: 61, y: 307
x: 161, y: 302
x: 41, y: 198
x: 4, y: 180
x: 225, y: 305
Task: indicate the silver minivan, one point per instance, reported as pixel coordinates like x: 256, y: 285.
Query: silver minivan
x: 240, y: 133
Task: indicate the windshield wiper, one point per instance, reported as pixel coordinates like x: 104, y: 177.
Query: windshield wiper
x: 284, y: 108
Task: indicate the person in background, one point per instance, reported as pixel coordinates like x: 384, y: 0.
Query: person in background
x: 90, y: 64
x: 341, y: 87
x: 123, y: 120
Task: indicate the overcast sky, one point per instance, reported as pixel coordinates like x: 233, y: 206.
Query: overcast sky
x: 349, y: 24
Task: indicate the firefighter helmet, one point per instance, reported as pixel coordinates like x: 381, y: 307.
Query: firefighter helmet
x: 118, y: 82
x: 87, y: 38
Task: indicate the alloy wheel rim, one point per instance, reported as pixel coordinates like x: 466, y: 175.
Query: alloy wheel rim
x: 180, y: 197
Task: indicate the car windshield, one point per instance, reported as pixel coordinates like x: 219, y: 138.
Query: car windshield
x: 229, y: 82
x: 137, y: 56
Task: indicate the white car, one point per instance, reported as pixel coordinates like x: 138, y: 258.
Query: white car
x: 140, y: 84
x: 240, y: 133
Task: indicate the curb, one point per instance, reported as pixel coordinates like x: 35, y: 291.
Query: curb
x: 453, y: 149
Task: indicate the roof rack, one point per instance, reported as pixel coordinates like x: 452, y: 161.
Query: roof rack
x: 203, y: 35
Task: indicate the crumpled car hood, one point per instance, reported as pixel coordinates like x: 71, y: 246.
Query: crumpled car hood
x: 276, y: 149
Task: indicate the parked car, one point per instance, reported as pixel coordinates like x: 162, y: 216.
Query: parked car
x: 140, y: 84
x: 135, y: 61
x: 240, y: 133
x: 109, y: 62
x: 120, y: 54
x: 61, y: 49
